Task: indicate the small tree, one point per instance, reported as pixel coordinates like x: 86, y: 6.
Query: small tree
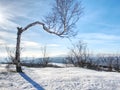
x: 45, y: 59
x: 117, y: 63
x: 107, y: 61
x: 11, y: 54
x: 78, y: 55
x: 61, y: 21
x: 110, y: 62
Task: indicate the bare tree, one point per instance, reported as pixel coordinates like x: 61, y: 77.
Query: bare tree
x: 11, y: 54
x: 117, y: 63
x: 45, y: 59
x: 78, y: 55
x: 61, y: 21
x: 108, y: 61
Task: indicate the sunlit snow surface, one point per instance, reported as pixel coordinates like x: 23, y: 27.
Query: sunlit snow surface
x: 70, y: 78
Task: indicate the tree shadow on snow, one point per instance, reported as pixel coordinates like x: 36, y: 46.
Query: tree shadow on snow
x: 27, y: 78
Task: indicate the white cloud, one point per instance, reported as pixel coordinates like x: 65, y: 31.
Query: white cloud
x: 6, y: 15
x: 4, y: 54
x: 99, y: 36
x: 57, y: 53
x: 2, y: 42
x: 101, y: 42
x: 10, y: 18
x: 30, y: 44
x: 107, y: 25
x: 53, y: 45
x: 5, y: 34
x: 31, y: 54
x: 39, y: 54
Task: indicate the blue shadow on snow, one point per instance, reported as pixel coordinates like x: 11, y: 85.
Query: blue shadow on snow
x: 27, y: 78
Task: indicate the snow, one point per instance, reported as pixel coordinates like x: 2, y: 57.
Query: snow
x: 69, y: 78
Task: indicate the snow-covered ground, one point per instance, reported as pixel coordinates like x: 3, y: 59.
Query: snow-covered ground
x: 71, y: 78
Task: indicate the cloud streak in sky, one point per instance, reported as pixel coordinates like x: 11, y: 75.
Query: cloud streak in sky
x: 98, y: 26
x: 99, y: 36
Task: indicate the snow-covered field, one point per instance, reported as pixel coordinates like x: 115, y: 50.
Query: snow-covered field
x: 70, y: 78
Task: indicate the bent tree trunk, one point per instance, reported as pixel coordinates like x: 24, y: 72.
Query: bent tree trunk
x: 60, y: 22
x: 17, y: 54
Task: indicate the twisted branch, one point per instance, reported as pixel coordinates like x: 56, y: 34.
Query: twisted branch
x: 44, y: 27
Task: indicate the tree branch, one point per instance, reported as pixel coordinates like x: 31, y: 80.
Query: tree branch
x: 44, y: 27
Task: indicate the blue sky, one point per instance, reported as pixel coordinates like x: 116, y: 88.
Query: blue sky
x: 99, y: 27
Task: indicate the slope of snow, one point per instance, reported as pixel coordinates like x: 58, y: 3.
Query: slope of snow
x: 71, y: 78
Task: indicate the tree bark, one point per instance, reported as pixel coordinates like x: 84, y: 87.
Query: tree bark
x: 17, y: 55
